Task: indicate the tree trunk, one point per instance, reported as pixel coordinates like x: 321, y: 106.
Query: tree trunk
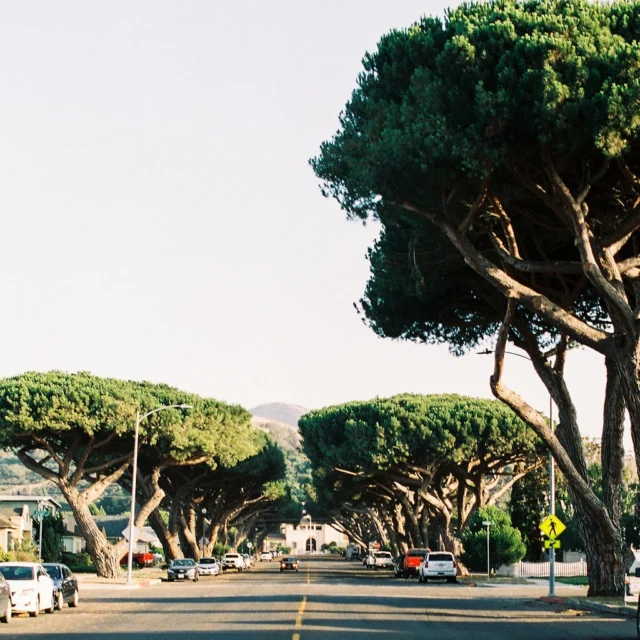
x: 170, y: 541
x: 103, y: 554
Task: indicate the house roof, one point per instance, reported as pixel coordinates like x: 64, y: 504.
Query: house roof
x: 30, y: 500
x: 6, y: 524
x: 113, y: 526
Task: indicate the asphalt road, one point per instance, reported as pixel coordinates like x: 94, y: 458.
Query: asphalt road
x: 328, y: 598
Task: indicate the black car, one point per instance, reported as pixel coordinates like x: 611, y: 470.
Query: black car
x: 289, y: 563
x: 5, y: 600
x: 65, y: 582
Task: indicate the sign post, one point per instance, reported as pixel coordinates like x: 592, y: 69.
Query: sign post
x: 552, y: 527
x: 488, y: 523
x: 40, y: 514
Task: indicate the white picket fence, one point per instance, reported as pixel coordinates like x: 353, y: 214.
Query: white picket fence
x: 541, y: 569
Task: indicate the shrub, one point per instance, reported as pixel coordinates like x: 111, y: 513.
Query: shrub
x: 505, y: 542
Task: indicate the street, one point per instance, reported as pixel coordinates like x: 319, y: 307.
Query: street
x: 328, y: 598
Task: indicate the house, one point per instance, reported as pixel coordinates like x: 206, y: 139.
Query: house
x: 115, y: 529
x: 16, y: 513
x: 72, y: 540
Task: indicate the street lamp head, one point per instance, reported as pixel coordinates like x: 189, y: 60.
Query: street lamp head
x: 204, y: 511
x: 185, y: 406
x: 486, y: 352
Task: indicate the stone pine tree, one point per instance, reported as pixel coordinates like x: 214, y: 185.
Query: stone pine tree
x: 503, y: 141
x: 76, y: 430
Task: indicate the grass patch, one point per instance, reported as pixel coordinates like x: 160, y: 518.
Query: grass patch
x: 580, y: 580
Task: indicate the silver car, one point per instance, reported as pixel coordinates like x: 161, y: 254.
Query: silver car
x: 182, y: 569
x: 208, y: 567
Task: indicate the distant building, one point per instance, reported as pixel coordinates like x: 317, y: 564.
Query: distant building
x: 307, y: 537
x: 16, y: 512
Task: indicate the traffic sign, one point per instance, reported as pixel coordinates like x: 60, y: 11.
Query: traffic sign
x: 38, y: 514
x: 552, y: 544
x: 249, y: 545
x: 203, y: 541
x: 552, y: 526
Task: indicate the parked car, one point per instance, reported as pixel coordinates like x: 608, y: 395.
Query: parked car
x: 233, y: 561
x: 438, y: 564
x: 65, y: 583
x: 411, y: 562
x: 383, y: 560
x: 139, y: 560
x: 182, y: 569
x: 397, y: 565
x: 248, y: 560
x: 208, y: 567
x: 265, y: 556
x: 32, y: 590
x: 5, y: 600
x: 290, y: 563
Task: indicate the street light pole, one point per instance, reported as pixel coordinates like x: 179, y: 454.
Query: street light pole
x: 132, y: 514
x: 552, y: 507
x: 552, y: 482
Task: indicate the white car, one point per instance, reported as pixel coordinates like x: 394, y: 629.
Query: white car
x: 265, y: 556
x: 32, y: 590
x: 208, y: 567
x: 437, y: 564
x: 383, y: 559
x: 233, y: 561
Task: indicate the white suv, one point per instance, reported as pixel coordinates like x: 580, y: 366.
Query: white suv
x: 437, y: 564
x: 233, y: 561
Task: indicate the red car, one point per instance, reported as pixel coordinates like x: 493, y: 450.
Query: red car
x: 412, y: 561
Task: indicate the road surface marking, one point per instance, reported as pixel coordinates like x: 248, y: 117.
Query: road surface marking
x: 303, y: 603
x: 308, y: 576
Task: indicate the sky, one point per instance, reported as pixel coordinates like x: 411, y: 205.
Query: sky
x: 160, y: 220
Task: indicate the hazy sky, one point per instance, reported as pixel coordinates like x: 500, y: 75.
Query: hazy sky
x: 160, y: 219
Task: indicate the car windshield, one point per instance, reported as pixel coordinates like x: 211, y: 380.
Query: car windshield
x: 53, y: 570
x: 17, y: 573
x: 418, y: 552
x: 182, y: 563
x: 231, y: 555
x: 207, y: 561
x: 290, y: 560
x: 382, y: 554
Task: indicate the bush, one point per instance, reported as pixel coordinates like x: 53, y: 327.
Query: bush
x: 505, y: 542
x: 78, y: 562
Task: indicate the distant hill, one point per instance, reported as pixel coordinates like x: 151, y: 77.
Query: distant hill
x: 280, y: 412
x: 285, y: 435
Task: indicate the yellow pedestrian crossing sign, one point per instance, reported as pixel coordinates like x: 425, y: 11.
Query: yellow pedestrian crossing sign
x: 552, y: 526
x: 552, y: 544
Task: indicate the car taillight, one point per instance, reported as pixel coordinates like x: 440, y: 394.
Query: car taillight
x: 426, y: 564
x: 454, y: 564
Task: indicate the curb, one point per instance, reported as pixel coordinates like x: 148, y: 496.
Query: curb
x: 574, y: 603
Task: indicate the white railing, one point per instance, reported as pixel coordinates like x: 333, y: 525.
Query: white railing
x: 541, y: 569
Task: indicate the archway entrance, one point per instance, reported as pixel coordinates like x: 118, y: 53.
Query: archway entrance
x: 310, y: 545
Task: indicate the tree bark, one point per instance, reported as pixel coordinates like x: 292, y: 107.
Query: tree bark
x: 104, y: 555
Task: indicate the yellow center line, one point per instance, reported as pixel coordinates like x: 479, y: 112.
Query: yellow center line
x: 303, y: 604
x: 308, y: 576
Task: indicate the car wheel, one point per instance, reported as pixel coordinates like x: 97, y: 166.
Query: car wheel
x: 36, y: 612
x: 75, y: 599
x: 420, y: 578
x: 281, y: 570
x: 59, y: 600
x: 7, y: 614
x: 195, y: 577
x: 405, y: 574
